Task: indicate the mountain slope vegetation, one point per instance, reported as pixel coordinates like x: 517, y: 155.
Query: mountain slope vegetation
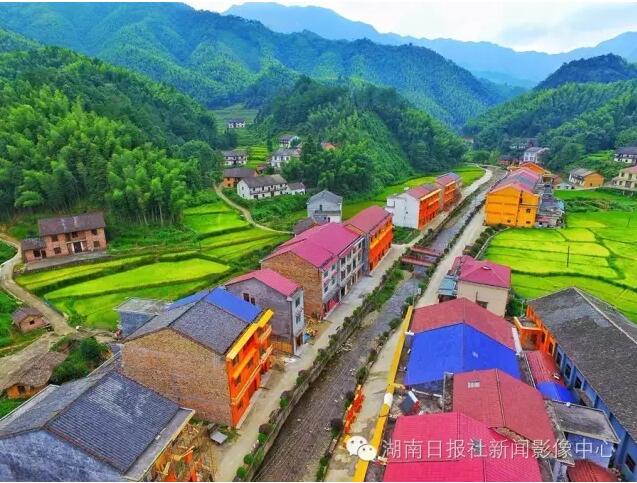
x: 604, y: 68
x: 220, y: 60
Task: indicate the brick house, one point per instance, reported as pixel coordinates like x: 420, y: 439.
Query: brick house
x: 325, y: 260
x: 375, y: 225
x: 30, y: 376
x: 416, y: 207
x: 267, y: 288
x: 27, y: 319
x: 235, y: 157
x: 64, y: 236
x: 231, y: 176
x: 259, y: 187
x: 450, y: 184
x: 586, y: 178
x: 212, y: 348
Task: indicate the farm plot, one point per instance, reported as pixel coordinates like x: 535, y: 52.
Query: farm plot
x: 212, y: 218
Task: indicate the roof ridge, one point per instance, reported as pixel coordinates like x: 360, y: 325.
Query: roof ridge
x: 499, y: 389
x: 601, y: 312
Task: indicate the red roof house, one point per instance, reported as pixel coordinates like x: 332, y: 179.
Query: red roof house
x: 454, y: 447
x: 463, y: 311
x: 375, y: 224
x: 272, y: 279
x: 504, y: 404
x: 543, y: 367
x: 482, y: 272
x: 585, y: 470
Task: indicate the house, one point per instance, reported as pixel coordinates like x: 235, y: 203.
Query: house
x: 231, y: 176
x: 627, y: 179
x: 288, y: 140
x: 66, y: 235
x: 626, y: 155
x: 535, y: 154
x: 212, y: 347
x: 268, y: 288
x: 450, y: 185
x: 31, y: 375
x: 282, y: 156
x: 296, y: 188
x: 27, y: 319
x: 564, y: 186
x: 235, y: 157
x: 375, y: 226
x: 135, y: 312
x: 325, y: 207
x: 328, y: 146
x: 326, y: 260
x: 454, y: 447
x: 104, y: 427
x: 416, y: 207
x: 586, y: 178
x: 505, y: 404
x: 521, y: 144
x: 546, y: 376
x: 536, y: 168
x: 595, y: 347
x: 259, y: 187
x: 514, y: 200
x: 506, y: 160
x: 236, y: 123
x: 481, y: 281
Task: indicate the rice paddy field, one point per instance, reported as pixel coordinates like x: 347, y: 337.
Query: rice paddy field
x: 224, y: 245
x: 597, y: 252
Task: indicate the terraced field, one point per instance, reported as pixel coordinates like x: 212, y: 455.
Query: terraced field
x: 596, y: 252
x: 224, y: 245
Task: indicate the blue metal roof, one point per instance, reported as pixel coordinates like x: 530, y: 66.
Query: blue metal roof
x: 456, y: 348
x: 555, y: 392
x: 196, y: 297
x: 234, y: 305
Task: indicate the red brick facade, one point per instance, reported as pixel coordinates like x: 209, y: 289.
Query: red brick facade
x: 65, y: 244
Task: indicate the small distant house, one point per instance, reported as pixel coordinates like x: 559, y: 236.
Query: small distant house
x: 627, y: 179
x: 586, y: 178
x: 27, y: 319
x: 268, y: 288
x: 236, y: 123
x: 325, y: 207
x: 66, y: 235
x: 282, y: 156
x: 104, y: 427
x: 31, y: 376
x: 207, y: 351
x: 328, y: 146
x: 296, y: 188
x: 135, y: 312
x: 231, y: 176
x: 627, y: 155
x: 375, y: 225
x: 521, y: 144
x: 288, y: 140
x: 450, y: 185
x: 260, y: 187
x: 235, y: 157
x: 506, y: 160
x: 535, y: 155
x: 416, y: 207
x: 564, y: 186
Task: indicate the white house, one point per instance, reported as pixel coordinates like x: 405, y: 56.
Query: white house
x: 296, y: 188
x: 236, y: 123
x: 534, y: 155
x: 287, y: 140
x: 259, y: 187
x: 282, y: 156
x: 235, y: 157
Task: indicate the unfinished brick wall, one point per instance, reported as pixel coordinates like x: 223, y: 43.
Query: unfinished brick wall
x: 181, y: 370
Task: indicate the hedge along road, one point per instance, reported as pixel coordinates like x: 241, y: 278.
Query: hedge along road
x: 306, y: 434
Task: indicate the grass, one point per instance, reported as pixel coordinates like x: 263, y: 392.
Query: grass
x: 9, y: 335
x: 596, y: 252
x: 7, y: 405
x: 206, y: 223
x: 6, y: 252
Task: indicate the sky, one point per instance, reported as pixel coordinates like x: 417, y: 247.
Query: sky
x: 546, y: 26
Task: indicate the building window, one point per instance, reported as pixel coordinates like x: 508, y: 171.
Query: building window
x: 297, y: 302
x: 37, y: 253
x: 94, y: 232
x: 558, y: 358
x: 473, y: 384
x: 96, y: 244
x: 54, y: 238
x: 57, y: 250
x: 578, y: 383
x: 567, y: 371
x: 630, y: 463
x: 246, y: 297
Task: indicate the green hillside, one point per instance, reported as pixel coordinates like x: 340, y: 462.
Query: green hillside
x: 604, y: 68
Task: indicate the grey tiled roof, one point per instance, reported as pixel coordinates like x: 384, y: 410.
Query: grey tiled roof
x: 325, y: 196
x: 602, y: 343
x: 68, y: 224
x: 268, y: 180
x: 32, y: 244
x: 143, y: 306
x: 582, y: 420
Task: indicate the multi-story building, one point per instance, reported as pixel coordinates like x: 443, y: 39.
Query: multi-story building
x: 450, y: 185
x: 268, y: 288
x: 259, y: 187
x: 375, y: 225
x: 535, y: 154
x: 231, y: 176
x: 586, y: 178
x: 626, y: 155
x: 282, y: 156
x: 234, y: 157
x: 416, y: 207
x: 326, y: 260
x: 66, y: 235
x: 325, y: 207
x: 207, y: 351
x: 236, y: 123
x: 627, y: 179
x: 288, y: 140
x: 515, y: 200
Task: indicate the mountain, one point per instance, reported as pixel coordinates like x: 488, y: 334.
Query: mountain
x: 605, y: 68
x: 220, y: 60
x: 484, y: 59
x: 10, y: 41
x: 77, y: 131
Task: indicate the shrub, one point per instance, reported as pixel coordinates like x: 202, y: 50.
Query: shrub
x: 336, y: 425
x: 395, y: 323
x: 91, y: 350
x: 361, y: 374
x: 266, y: 428
x: 284, y: 402
x: 262, y: 438
x: 247, y: 459
x: 242, y: 473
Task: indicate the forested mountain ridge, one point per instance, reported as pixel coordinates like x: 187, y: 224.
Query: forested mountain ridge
x: 77, y: 130
x: 604, y: 68
x: 381, y: 139
x: 220, y: 60
x: 10, y: 41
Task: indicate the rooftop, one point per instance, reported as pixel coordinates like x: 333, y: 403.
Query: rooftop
x: 585, y: 470
x: 601, y: 342
x: 581, y: 172
x: 267, y: 180
x: 24, y: 312
x: 69, y: 224
x: 285, y: 152
x: 482, y: 272
x: 581, y: 420
x: 368, y: 219
x: 234, y: 152
x: 543, y: 367
x: 272, y: 279
x: 555, y: 391
x: 628, y: 150
x: 238, y: 173
x: 143, y: 306
x: 32, y: 244
x: 296, y: 186
x: 421, y: 191
x: 447, y: 178
x: 325, y: 196
x: 34, y: 371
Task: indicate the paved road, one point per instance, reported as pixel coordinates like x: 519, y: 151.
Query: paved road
x: 244, y: 211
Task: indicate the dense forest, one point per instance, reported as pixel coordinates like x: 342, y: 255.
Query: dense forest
x: 220, y: 60
x: 381, y: 138
x: 604, y: 68
x: 77, y: 130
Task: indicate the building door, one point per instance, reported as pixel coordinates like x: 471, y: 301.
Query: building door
x: 77, y: 247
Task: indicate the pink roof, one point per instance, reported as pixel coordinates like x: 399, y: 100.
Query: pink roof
x: 272, y: 279
x: 503, y: 402
x: 511, y: 184
x: 320, y: 244
x: 632, y: 169
x: 422, y: 190
x: 368, y: 219
x: 447, y: 178
x: 483, y: 272
x: 460, y: 311
x: 444, y: 430
x: 543, y: 367
x: 585, y: 470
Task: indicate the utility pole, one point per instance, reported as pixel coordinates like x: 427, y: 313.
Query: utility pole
x: 568, y: 254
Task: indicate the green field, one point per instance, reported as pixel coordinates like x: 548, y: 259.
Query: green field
x: 595, y: 252
x: 6, y: 252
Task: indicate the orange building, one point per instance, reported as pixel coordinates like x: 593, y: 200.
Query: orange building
x: 375, y: 224
x: 416, y: 207
x: 514, y: 200
x: 533, y: 333
x: 450, y: 184
x: 536, y: 168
